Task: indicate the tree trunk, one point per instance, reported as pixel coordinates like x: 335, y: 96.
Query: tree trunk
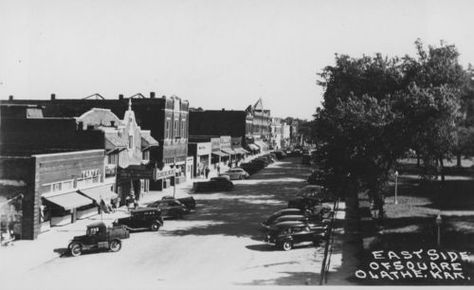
x: 352, y: 211
x: 458, y: 160
x: 418, y: 160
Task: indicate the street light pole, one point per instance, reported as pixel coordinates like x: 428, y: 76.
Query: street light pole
x: 396, y: 187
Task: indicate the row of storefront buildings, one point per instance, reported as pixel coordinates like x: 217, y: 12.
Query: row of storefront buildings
x: 60, y: 158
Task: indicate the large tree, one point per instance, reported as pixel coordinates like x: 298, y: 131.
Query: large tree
x: 377, y: 108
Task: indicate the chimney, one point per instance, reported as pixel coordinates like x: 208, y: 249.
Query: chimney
x: 152, y: 95
x: 121, y: 97
x: 10, y: 97
x: 53, y: 97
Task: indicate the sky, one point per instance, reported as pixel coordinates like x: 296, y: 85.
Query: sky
x: 214, y: 53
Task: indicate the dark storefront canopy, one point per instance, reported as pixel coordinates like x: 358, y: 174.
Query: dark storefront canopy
x: 69, y: 200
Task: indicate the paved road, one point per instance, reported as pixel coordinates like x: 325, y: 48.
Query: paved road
x: 217, y: 245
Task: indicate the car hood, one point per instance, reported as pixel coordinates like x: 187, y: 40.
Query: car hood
x: 79, y: 238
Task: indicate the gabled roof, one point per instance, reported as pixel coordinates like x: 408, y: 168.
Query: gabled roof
x: 147, y: 140
x: 113, y: 141
x: 99, y: 117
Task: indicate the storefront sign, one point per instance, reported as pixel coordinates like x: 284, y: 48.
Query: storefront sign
x: 225, y: 142
x: 89, y: 173
x: 204, y: 148
x: 215, y: 144
x: 236, y: 141
x: 164, y: 173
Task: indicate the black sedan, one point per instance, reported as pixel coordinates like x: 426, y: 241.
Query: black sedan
x: 188, y: 200
x: 286, y: 235
x: 214, y: 184
x: 170, y: 208
x: 141, y: 219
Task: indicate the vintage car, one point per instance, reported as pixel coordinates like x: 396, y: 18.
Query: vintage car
x: 187, y: 200
x: 141, y: 219
x: 286, y: 218
x: 280, y: 154
x: 286, y: 235
x: 170, y: 208
x: 236, y: 173
x: 98, y: 236
x: 214, y: 184
x: 282, y: 212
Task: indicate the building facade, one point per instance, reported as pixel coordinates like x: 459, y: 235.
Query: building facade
x: 56, y: 189
x: 167, y: 118
x: 127, y: 148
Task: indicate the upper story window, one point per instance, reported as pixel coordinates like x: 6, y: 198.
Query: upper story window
x: 146, y: 155
x: 167, y: 128
x: 175, y: 128
x: 130, y: 142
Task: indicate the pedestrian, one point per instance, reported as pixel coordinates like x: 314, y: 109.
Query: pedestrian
x: 218, y: 169
x: 207, y: 170
x: 103, y: 206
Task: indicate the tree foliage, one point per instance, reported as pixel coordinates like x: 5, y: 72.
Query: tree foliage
x: 377, y: 108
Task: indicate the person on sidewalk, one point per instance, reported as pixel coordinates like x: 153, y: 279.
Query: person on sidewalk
x: 207, y: 170
x: 218, y: 169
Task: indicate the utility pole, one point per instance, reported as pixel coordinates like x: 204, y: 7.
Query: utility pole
x: 396, y: 187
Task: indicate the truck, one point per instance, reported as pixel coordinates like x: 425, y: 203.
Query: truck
x: 98, y: 237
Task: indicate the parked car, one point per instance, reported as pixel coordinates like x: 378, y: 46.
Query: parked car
x: 287, y: 218
x: 236, y: 173
x: 280, y: 154
x: 141, y: 219
x: 286, y: 235
x: 98, y: 237
x: 306, y: 159
x: 282, y: 212
x: 315, y: 178
x: 187, y: 200
x: 214, y: 184
x: 170, y: 208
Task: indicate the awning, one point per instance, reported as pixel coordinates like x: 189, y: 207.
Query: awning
x: 220, y: 153
x: 229, y: 151
x: 148, y: 141
x: 69, y: 200
x: 99, y: 192
x: 240, y: 150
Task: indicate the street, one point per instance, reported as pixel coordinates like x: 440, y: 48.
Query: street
x: 216, y: 245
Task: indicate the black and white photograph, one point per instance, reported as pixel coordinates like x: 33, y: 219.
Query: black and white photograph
x: 216, y: 144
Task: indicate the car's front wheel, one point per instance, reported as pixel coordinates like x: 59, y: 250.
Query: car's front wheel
x: 76, y: 249
x: 155, y: 226
x: 286, y: 246
x: 115, y: 246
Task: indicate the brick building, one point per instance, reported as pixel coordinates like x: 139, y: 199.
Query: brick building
x: 166, y: 117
